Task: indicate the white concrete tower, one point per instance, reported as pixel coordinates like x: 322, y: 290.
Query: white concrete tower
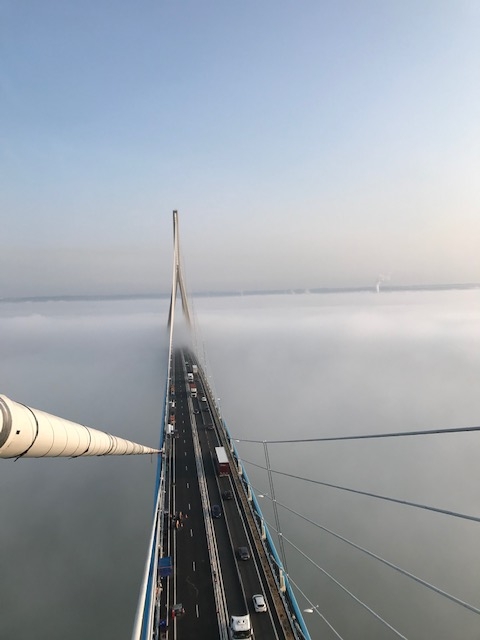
x: 178, y: 281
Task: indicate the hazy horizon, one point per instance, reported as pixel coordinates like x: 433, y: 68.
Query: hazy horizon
x: 378, y: 288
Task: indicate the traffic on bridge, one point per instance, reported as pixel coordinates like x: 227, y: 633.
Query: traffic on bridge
x: 217, y: 581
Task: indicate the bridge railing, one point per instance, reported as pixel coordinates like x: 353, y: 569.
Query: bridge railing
x: 278, y: 571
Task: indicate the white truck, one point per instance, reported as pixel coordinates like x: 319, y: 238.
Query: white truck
x: 194, y: 368
x: 240, y: 627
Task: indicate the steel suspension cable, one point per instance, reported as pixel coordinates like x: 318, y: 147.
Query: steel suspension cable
x: 397, y: 434
x: 417, y: 505
x: 404, y: 572
x: 315, y: 608
x: 339, y: 584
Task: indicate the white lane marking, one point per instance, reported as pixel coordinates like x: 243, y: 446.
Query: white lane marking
x: 186, y: 468
x: 189, y: 507
x: 191, y: 533
x: 193, y: 565
x: 196, y: 607
x: 185, y: 453
x: 188, y: 485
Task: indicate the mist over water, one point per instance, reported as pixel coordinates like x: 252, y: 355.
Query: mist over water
x: 73, y: 533
x: 343, y: 364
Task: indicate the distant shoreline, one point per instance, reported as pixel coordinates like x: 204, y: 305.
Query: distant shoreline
x: 260, y: 292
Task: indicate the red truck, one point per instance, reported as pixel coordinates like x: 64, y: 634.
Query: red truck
x: 221, y: 461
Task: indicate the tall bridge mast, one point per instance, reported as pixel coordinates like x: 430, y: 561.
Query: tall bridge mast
x: 178, y: 281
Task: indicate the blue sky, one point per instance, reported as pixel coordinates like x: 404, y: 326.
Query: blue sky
x: 304, y: 144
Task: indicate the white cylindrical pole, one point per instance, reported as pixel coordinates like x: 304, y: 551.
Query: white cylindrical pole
x: 30, y: 433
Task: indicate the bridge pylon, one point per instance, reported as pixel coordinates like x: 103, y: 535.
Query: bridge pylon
x: 178, y: 282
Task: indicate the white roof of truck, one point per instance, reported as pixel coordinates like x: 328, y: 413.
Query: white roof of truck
x: 221, y: 454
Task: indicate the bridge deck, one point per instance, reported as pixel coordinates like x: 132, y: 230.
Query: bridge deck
x: 209, y: 592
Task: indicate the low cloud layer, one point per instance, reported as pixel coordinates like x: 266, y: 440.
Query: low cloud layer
x: 311, y: 366
x: 74, y: 533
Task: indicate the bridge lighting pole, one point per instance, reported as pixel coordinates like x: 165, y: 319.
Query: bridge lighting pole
x: 262, y: 521
x: 275, y: 508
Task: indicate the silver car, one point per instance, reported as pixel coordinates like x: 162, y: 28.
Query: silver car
x: 259, y: 603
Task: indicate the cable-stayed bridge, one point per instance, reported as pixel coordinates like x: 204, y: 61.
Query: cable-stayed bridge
x: 210, y: 551
x: 193, y: 544
x: 209, y: 580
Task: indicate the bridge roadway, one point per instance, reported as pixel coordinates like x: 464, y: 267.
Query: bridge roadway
x: 187, y: 539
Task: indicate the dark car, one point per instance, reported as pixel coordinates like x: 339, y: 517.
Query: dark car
x: 227, y: 495
x: 216, y: 511
x: 243, y: 553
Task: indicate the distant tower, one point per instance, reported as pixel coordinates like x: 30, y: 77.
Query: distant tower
x: 178, y: 282
x: 380, y: 280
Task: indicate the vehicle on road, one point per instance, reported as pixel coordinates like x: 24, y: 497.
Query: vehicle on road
x: 240, y: 627
x: 227, y: 495
x: 204, y: 399
x: 243, y: 553
x: 177, y: 610
x: 221, y: 461
x: 216, y: 511
x: 259, y: 603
